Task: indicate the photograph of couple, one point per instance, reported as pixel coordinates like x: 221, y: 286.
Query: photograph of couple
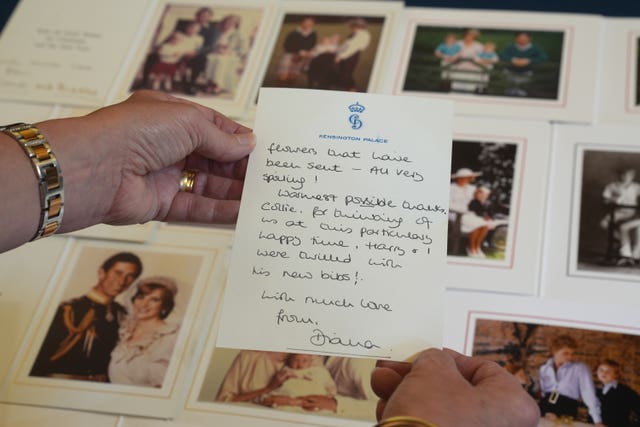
x: 121, y: 325
x: 579, y: 377
x: 494, y: 62
x: 293, y: 382
x: 198, y: 51
x: 480, y: 202
x: 609, y: 232
x: 324, y: 52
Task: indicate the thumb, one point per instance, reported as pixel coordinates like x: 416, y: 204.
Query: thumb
x: 216, y: 144
x: 420, y: 393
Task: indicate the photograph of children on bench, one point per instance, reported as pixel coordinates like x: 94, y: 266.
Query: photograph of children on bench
x: 199, y: 50
x: 513, y: 63
x: 578, y: 376
x: 608, y: 240
x: 119, y: 317
x: 292, y: 382
x: 319, y: 51
x: 481, y: 195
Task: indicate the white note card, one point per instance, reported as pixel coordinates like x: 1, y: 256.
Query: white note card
x: 68, y: 51
x: 340, y: 245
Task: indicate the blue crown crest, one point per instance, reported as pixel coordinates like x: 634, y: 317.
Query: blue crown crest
x: 356, y: 108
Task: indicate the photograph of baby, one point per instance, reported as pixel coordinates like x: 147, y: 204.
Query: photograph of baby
x: 579, y: 377
x: 481, y: 194
x: 119, y: 317
x: 293, y: 382
x: 487, y: 61
x: 324, y: 52
x: 198, y: 51
x: 609, y: 231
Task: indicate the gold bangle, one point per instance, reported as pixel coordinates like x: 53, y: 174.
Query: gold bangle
x: 47, y: 170
x: 404, y: 421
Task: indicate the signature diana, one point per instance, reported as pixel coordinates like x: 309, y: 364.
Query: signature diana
x: 319, y: 339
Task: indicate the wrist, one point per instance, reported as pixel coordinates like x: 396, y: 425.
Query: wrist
x: 84, y: 167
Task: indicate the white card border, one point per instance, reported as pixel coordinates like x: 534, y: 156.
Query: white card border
x: 576, y: 86
x: 234, y: 107
x: 519, y: 274
x: 558, y: 282
x: 112, y: 398
x: 389, y: 10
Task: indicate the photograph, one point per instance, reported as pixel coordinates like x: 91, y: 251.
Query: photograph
x: 637, y: 73
x: 199, y: 51
x: 516, y: 63
x: 333, y: 52
x: 579, y: 377
x: 119, y: 318
x: 481, y: 194
x: 608, y: 191
x: 291, y: 382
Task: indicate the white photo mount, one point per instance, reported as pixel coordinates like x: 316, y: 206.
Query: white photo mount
x: 465, y: 308
x: 189, y: 267
x: 575, y: 255
x: 518, y: 271
x: 203, y: 407
x: 389, y: 11
x: 255, y: 19
x: 619, y: 101
x: 574, y: 100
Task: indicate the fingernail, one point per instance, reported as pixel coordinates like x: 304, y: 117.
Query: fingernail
x: 246, y: 138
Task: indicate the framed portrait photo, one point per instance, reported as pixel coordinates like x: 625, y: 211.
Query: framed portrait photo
x: 592, y: 348
x: 592, y: 243
x: 335, y: 45
x: 620, y: 83
x: 112, y: 331
x: 319, y: 389
x: 207, y: 52
x: 511, y: 64
x: 496, y: 205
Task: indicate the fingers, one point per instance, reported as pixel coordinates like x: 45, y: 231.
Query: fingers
x: 380, y: 407
x: 216, y: 144
x: 217, y: 136
x: 188, y: 207
x: 475, y: 370
x: 384, y: 382
x: 402, y: 368
x: 217, y: 187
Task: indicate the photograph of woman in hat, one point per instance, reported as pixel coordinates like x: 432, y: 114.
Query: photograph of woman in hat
x: 146, y: 338
x: 480, y: 198
x: 467, y: 207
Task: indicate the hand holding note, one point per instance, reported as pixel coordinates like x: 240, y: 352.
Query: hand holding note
x: 340, y: 242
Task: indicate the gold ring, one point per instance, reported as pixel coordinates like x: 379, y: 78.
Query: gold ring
x: 187, y: 180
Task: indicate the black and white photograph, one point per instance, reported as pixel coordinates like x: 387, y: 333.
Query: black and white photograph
x: 609, y: 231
